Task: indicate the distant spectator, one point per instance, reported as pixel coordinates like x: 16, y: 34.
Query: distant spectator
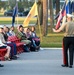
x: 6, y: 30
x: 6, y: 34
x: 28, y: 32
x: 3, y: 45
x: 12, y: 31
x: 28, y: 35
x: 22, y: 36
x: 35, y: 37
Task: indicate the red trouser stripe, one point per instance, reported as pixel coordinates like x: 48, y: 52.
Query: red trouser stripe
x: 64, y: 58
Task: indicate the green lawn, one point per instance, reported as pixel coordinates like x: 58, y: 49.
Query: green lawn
x: 20, y: 22
x: 52, y: 41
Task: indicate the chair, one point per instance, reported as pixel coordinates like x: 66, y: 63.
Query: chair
x: 19, y: 44
x: 2, y: 53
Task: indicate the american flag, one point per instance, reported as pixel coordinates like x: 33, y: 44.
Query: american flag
x: 68, y: 8
x: 62, y: 13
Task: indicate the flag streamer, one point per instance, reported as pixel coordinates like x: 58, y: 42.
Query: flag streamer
x: 33, y: 12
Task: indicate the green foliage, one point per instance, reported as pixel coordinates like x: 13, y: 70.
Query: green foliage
x: 11, y: 3
x: 20, y: 6
x: 8, y: 5
x: 2, y: 4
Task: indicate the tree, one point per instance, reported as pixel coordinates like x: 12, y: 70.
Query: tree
x: 20, y: 6
x: 2, y: 5
x: 51, y: 14
x: 45, y: 17
x: 40, y: 11
x: 57, y: 6
x: 12, y: 3
x: 20, y: 0
x: 27, y: 3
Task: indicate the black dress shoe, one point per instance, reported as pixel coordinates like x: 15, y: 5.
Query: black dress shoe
x: 1, y: 65
x: 70, y: 66
x: 64, y: 65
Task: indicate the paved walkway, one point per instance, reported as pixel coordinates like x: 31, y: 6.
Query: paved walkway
x: 44, y: 62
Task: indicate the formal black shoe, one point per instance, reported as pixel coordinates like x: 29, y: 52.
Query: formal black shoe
x: 64, y: 65
x: 1, y: 65
x: 70, y: 66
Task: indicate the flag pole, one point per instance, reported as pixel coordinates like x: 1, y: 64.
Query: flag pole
x: 17, y: 11
x: 39, y: 28
x: 39, y: 25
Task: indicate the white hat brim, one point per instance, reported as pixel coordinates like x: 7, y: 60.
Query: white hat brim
x: 70, y: 15
x: 1, y: 26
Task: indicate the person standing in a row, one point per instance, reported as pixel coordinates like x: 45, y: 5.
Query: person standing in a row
x: 68, y: 41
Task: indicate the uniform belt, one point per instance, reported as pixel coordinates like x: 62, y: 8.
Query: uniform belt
x: 69, y: 36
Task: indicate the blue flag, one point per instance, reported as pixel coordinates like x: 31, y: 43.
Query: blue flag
x: 15, y: 12
x: 68, y: 7
x: 72, y: 5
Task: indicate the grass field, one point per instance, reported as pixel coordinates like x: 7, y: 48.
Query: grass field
x: 20, y: 20
x: 51, y: 40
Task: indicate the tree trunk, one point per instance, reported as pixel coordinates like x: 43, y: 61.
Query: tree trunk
x: 57, y: 6
x: 20, y: 0
x: 45, y: 17
x: 40, y: 12
x: 51, y: 14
